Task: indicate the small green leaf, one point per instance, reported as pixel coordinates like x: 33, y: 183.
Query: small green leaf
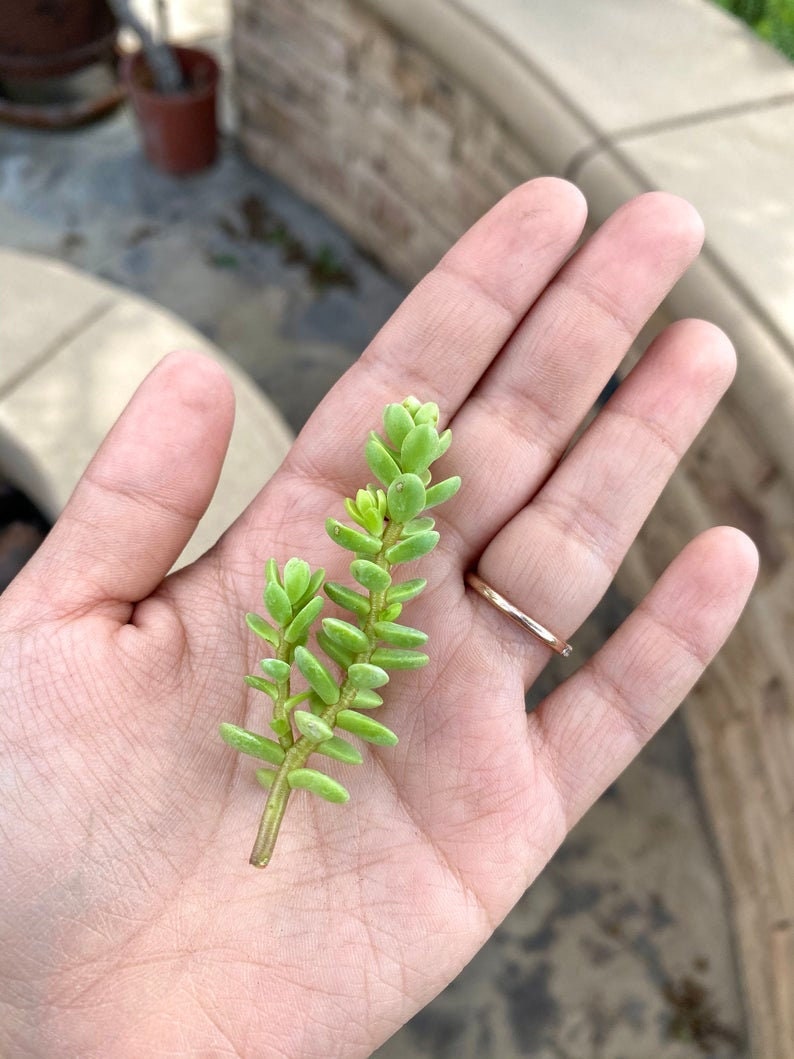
x: 411, y: 548
x: 406, y: 590
x: 340, y: 750
x: 278, y: 604
x: 346, y: 635
x: 412, y: 404
x: 428, y: 413
x: 442, y: 491
x: 370, y: 575
x: 299, y: 626
x: 399, y: 635
x: 276, y: 669
x: 262, y: 685
x: 266, y: 777
x: 353, y: 511
x: 419, y: 448
x: 297, y: 575
x: 417, y: 525
x: 296, y: 700
x: 397, y: 422
x: 373, y: 522
x: 342, y: 657
x: 271, y: 572
x: 406, y: 498
x: 395, y: 658
x: 364, y: 675
x: 317, y: 675
x: 262, y: 628
x: 251, y: 743
x: 313, y: 587
x: 281, y: 726
x: 366, y: 728
x: 318, y: 783
x: 312, y: 727
x: 379, y: 461
x: 351, y: 539
x: 366, y: 699
x: 390, y: 613
x: 347, y: 598
x: 444, y: 441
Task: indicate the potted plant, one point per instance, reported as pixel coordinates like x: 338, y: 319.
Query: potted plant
x: 173, y: 92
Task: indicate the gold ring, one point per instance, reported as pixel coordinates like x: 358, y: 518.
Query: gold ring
x: 539, y: 631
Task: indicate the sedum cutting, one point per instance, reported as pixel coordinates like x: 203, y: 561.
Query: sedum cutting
x: 353, y: 655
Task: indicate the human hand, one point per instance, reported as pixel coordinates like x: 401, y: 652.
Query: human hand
x: 132, y: 923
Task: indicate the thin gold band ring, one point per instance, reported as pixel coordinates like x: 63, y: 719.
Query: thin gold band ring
x: 540, y: 632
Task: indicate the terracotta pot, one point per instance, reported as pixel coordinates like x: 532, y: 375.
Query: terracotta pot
x: 179, y: 130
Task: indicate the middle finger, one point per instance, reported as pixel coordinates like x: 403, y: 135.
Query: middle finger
x: 529, y: 405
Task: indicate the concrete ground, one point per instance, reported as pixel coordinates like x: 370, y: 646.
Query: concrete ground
x: 622, y: 948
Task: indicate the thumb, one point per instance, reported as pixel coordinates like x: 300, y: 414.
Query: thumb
x: 141, y: 497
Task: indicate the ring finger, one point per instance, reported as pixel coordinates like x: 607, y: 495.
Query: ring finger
x: 556, y: 558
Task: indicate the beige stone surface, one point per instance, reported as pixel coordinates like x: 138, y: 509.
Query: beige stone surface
x: 41, y: 310
x: 625, y: 64
x: 738, y: 171
x: 53, y: 421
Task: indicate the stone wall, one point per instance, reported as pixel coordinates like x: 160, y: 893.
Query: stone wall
x: 363, y: 124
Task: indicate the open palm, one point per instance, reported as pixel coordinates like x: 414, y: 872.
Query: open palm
x: 131, y: 923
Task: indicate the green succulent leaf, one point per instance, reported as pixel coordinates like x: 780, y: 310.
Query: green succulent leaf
x: 365, y: 675
x: 444, y: 441
x: 428, y: 413
x: 391, y: 612
x: 366, y: 728
x: 442, y: 491
x: 281, y: 726
x: 412, y: 404
x: 419, y: 448
x: 317, y: 675
x: 418, y: 525
x: 299, y: 626
x: 353, y: 540
x: 318, y: 783
x: 370, y: 575
x: 296, y: 700
x: 380, y: 461
x: 266, y: 777
x: 414, y: 547
x: 399, y: 635
x: 340, y: 750
x: 262, y: 628
x: 262, y: 685
x: 397, y: 422
x: 334, y: 651
x: 406, y: 590
x: 347, y: 598
x: 277, y: 602
x: 312, y: 727
x: 313, y: 587
x: 297, y: 575
x: 396, y: 658
x: 405, y: 498
x: 276, y: 669
x: 271, y: 572
x: 346, y: 635
x: 367, y: 699
x: 251, y: 743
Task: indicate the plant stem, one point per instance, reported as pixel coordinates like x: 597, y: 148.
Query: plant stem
x: 298, y: 753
